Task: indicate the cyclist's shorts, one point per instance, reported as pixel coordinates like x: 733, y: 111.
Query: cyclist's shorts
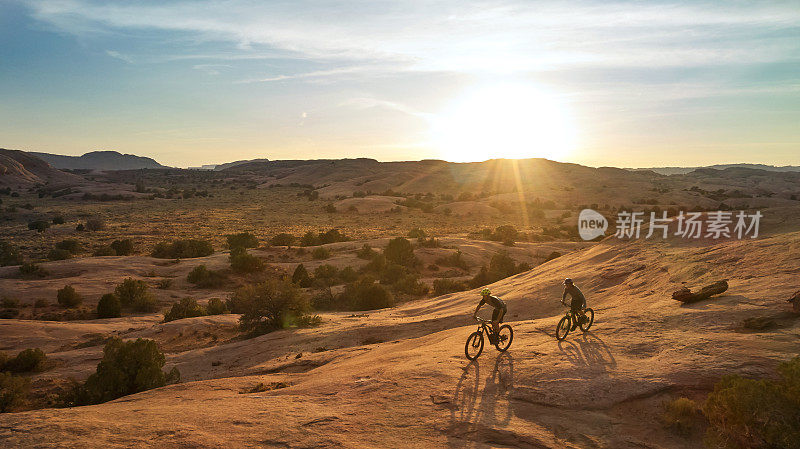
x: 496, y: 314
x: 576, y: 305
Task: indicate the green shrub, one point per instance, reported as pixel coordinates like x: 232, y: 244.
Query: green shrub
x: 243, y: 262
x: 301, y: 277
x: 366, y: 252
x: 453, y: 260
x: 242, y: 240
x: 283, y: 239
x: 109, y: 306
x: 71, y: 245
x: 185, y: 308
x: 748, y: 413
x: 32, y: 270
x: 41, y: 302
x: 365, y: 294
x: 68, y: 297
x: 330, y: 208
x: 13, y: 391
x: 401, y: 252
x: 268, y: 306
x: 205, y: 278
x: 215, y: 306
x: 348, y: 274
x: 58, y: 219
x: 410, y: 284
x: 126, y: 368
x: 164, y: 284
x: 95, y: 224
x: 27, y: 361
x: 59, y: 254
x: 326, y: 272
x: 104, y: 251
x: 320, y: 253
x: 444, y: 286
x: 9, y: 255
x: 309, y: 239
x: 122, y: 247
x: 501, y: 266
x: 330, y: 236
x: 183, y: 249
x: 38, y: 225
x: 681, y: 415
x: 134, y: 294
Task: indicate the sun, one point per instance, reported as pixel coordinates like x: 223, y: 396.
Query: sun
x: 512, y: 121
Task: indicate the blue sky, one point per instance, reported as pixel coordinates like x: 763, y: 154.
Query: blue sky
x: 637, y: 83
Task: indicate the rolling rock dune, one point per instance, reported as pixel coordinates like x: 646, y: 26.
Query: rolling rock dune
x: 398, y: 377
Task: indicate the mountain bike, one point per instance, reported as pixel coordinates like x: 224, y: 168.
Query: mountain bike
x: 474, y: 346
x: 584, y: 318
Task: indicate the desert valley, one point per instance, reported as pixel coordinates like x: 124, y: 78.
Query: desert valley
x: 326, y: 303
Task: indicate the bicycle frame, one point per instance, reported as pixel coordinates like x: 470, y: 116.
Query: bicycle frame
x: 484, y: 326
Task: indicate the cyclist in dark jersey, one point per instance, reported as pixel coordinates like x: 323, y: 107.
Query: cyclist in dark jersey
x: 499, y: 310
x: 578, y: 300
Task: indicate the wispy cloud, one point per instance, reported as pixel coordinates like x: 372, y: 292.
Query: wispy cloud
x: 510, y: 36
x: 117, y: 55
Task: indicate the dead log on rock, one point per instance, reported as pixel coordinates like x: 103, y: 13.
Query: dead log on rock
x: 685, y: 295
x: 795, y: 300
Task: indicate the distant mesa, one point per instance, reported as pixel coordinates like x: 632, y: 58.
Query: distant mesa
x: 99, y: 160
x: 685, y: 170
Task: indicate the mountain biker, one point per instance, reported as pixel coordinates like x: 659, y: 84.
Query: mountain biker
x: 578, y: 300
x: 498, y: 314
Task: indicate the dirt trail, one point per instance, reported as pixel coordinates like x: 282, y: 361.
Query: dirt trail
x: 415, y: 388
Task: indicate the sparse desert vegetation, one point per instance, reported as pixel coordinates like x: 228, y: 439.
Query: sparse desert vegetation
x: 244, y: 283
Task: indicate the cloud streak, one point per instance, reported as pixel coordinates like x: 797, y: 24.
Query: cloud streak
x: 508, y: 37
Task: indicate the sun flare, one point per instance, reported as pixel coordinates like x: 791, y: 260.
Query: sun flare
x: 512, y: 121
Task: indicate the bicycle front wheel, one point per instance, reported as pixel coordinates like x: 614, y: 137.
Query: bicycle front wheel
x: 563, y: 327
x: 504, y: 338
x: 587, y: 320
x: 474, y: 345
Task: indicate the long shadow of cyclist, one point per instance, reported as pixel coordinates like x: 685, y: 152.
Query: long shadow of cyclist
x: 475, y: 408
x: 590, y: 350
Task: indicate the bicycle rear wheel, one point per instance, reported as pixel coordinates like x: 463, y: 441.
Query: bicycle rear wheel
x: 504, y: 338
x: 474, y: 345
x: 589, y: 319
x: 563, y: 327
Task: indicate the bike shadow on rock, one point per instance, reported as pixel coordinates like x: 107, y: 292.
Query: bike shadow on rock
x: 588, y: 350
x: 479, y: 403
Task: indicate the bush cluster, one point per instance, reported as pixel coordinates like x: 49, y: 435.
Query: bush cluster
x: 455, y: 259
x: 202, y: 277
x: 68, y: 297
x: 268, y: 306
x: 13, y: 391
x: 27, y: 361
x: 126, y: 368
x: 243, y: 262
x: 283, y: 239
x: 311, y: 238
x: 9, y: 255
x: 32, y: 270
x: 183, y: 249
x: 501, y: 266
x: 444, y: 286
x: 134, y: 294
x: 242, y: 240
x: 109, y: 306
x: 749, y: 413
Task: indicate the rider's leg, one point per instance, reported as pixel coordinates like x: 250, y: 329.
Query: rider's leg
x: 497, y: 318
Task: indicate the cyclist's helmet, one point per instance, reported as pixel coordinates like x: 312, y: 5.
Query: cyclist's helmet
x: 568, y: 281
x: 485, y: 292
